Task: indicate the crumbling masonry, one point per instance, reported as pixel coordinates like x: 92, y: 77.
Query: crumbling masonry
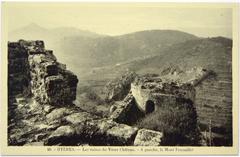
x: 40, y: 91
x: 33, y: 69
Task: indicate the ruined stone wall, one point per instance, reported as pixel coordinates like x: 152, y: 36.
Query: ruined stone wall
x: 126, y: 111
x: 39, y: 120
x: 169, y: 96
x: 33, y: 67
x: 18, y: 70
x: 141, y: 96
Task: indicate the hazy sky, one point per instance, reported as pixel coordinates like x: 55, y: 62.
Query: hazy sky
x: 120, y: 19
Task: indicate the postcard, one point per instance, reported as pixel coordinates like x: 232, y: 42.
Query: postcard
x: 119, y: 78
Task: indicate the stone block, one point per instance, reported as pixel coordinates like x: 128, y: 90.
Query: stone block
x: 60, y: 136
x: 147, y: 137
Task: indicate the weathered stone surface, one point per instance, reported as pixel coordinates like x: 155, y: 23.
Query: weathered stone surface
x: 123, y: 133
x: 40, y: 121
x: 147, y: 137
x: 126, y: 111
x: 18, y: 69
x: 58, y: 114
x: 119, y: 88
x: 35, y: 144
x: 59, y: 136
x: 106, y: 132
x: 93, y: 132
x: 80, y: 117
x: 48, y: 108
x: 153, y: 90
x: 32, y: 69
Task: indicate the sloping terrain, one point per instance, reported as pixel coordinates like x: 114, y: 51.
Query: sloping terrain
x: 214, y: 94
x: 111, y: 50
x: 201, y: 52
x: 53, y: 37
x: 83, y: 50
x: 96, y: 59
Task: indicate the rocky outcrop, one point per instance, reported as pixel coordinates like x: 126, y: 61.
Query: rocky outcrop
x: 126, y: 111
x: 119, y: 88
x: 48, y: 116
x: 93, y: 132
x: 34, y: 71
x: 34, y: 125
x: 61, y: 135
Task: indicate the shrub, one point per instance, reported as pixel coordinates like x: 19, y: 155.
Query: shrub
x: 178, y: 122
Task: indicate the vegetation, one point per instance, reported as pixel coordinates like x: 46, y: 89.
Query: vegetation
x: 178, y: 123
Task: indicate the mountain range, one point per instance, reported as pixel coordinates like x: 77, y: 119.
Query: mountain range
x: 82, y: 50
x: 89, y: 54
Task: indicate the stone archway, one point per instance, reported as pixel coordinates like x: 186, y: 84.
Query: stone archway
x: 150, y: 106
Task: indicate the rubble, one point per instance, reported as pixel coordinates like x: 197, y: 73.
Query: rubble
x: 58, y: 113
x: 60, y: 135
x: 147, y: 137
x: 77, y: 118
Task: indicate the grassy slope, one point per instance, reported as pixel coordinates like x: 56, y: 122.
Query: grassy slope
x: 213, y: 97
x: 110, y: 50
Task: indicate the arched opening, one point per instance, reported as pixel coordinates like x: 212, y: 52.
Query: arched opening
x: 150, y: 106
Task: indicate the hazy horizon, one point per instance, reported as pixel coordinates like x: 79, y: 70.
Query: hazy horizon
x: 112, y: 35
x: 113, y: 20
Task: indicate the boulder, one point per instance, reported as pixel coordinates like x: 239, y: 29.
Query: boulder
x: 77, y: 118
x: 58, y: 114
x: 147, y: 137
x: 113, y: 133
x: 122, y: 133
x: 60, y: 136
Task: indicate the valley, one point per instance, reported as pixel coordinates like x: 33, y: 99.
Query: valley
x: 106, y: 67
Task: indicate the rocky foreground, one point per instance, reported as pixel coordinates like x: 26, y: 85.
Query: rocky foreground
x: 41, y: 92
x: 146, y: 110
x: 36, y: 124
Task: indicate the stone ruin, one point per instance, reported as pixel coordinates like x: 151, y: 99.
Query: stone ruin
x: 41, y: 91
x: 40, y: 111
x: 32, y: 69
x: 150, y: 95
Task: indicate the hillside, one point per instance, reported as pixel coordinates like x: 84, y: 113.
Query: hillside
x: 202, y: 52
x: 83, y: 50
x: 214, y: 94
x: 111, y: 50
x: 51, y: 36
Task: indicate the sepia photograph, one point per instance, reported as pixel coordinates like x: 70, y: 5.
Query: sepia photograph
x: 119, y: 74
